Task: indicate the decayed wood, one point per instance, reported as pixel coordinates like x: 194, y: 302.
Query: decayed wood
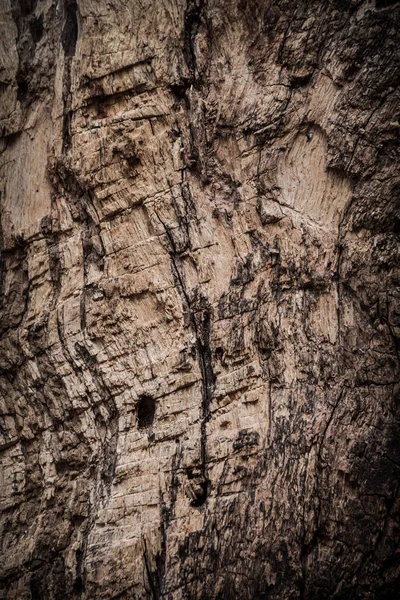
x: 199, y: 342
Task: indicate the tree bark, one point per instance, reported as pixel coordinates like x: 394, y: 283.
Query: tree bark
x: 199, y: 342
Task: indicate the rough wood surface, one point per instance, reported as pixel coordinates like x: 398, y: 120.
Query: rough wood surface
x: 200, y: 332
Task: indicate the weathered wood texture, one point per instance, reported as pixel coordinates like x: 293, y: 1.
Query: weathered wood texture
x: 199, y: 342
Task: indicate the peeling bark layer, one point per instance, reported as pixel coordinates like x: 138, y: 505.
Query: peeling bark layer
x: 199, y: 337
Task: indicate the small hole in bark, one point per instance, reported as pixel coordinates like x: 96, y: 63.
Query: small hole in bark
x: 133, y: 160
x: 298, y: 81
x: 201, y: 495
x: 219, y: 353
x: 179, y: 89
x: 146, y: 411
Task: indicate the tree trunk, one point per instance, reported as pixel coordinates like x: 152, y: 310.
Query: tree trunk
x: 199, y: 343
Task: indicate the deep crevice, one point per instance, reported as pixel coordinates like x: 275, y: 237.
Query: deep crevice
x: 36, y: 28
x: 192, y: 21
x: 385, y: 3
x: 69, y: 34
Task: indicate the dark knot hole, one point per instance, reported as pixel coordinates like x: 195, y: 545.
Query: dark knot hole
x: 146, y: 411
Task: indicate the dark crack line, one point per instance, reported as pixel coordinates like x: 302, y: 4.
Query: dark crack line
x: 203, y: 352
x: 153, y: 588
